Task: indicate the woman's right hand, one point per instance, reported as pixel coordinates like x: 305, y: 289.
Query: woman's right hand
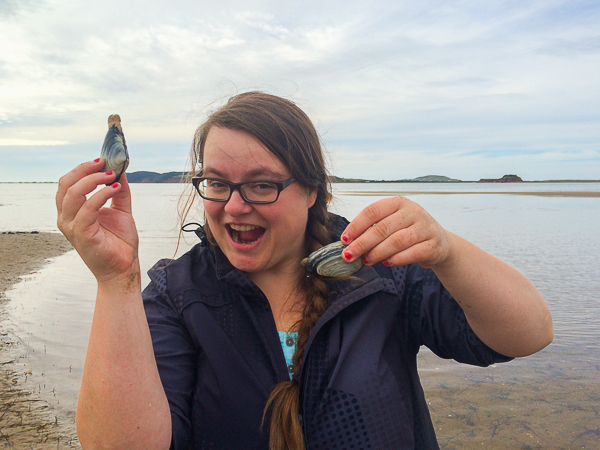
x: 104, y: 236
x: 120, y: 377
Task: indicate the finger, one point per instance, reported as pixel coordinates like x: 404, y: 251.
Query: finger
x: 393, y: 244
x: 72, y: 177
x: 372, y: 214
x: 122, y: 200
x: 88, y: 213
x: 399, y: 215
x: 75, y: 196
x: 383, y: 235
x: 423, y: 252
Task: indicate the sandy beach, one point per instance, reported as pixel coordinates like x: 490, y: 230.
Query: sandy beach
x: 26, y: 421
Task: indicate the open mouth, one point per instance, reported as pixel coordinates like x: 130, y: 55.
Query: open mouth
x: 245, y: 234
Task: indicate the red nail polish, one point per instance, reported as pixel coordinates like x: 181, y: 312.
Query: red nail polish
x: 108, y: 172
x: 365, y: 261
x: 97, y: 160
x: 115, y: 185
x: 347, y: 255
x: 345, y: 239
x: 386, y: 262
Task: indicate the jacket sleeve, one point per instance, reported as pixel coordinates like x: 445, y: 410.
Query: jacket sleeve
x: 437, y: 321
x: 175, y: 353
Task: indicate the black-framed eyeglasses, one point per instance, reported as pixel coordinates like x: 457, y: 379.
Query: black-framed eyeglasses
x: 258, y: 191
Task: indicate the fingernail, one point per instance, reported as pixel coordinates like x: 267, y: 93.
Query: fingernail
x: 386, y: 262
x: 109, y: 172
x: 97, y: 160
x: 115, y: 185
x: 365, y: 260
x: 345, y: 238
x: 347, y: 254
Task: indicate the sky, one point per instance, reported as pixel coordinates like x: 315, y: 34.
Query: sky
x: 397, y: 89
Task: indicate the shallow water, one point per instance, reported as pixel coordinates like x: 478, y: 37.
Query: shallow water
x: 549, y: 400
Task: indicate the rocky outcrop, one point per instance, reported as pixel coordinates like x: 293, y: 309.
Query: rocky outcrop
x: 504, y: 179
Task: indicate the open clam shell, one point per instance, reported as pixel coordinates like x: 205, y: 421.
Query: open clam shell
x: 114, y: 150
x: 328, y: 262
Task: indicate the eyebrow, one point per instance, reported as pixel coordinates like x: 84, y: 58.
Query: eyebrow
x: 251, y: 174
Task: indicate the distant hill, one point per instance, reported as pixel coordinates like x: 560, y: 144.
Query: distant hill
x: 334, y: 179
x: 425, y: 179
x: 436, y: 179
x: 154, y: 177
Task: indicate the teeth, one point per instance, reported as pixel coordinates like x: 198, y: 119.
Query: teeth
x: 242, y: 227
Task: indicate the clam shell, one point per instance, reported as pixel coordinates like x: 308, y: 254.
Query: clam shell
x: 328, y: 262
x: 114, y: 150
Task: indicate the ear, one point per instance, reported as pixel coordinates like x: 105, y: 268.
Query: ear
x: 311, y: 198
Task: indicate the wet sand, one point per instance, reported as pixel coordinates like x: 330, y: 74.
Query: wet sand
x: 536, y: 403
x: 25, y: 252
x: 515, y: 405
x: 26, y: 420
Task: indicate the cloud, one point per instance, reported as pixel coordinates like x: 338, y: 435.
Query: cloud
x: 29, y: 142
x: 379, y: 79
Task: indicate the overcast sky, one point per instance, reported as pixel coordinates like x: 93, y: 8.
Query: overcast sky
x: 397, y: 89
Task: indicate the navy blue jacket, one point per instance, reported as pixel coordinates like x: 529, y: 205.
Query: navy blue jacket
x: 219, y: 354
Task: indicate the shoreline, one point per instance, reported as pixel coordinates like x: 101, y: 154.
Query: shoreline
x: 25, y: 252
x: 26, y: 421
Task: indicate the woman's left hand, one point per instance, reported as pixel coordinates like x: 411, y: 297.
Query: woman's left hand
x: 396, y: 231
x: 502, y: 306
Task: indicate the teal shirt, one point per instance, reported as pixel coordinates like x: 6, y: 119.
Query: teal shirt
x: 288, y: 344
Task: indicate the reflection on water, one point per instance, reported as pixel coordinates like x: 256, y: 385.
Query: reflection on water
x: 546, y: 401
x: 549, y: 400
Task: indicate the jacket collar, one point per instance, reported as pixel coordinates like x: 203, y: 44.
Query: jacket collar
x: 224, y: 270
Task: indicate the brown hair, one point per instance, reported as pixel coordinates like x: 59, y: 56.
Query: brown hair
x: 287, y: 132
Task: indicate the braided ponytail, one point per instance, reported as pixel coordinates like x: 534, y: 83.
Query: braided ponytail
x: 283, y: 404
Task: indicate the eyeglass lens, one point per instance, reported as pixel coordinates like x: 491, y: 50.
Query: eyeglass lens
x: 254, y: 191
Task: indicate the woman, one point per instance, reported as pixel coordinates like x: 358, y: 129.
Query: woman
x: 201, y: 359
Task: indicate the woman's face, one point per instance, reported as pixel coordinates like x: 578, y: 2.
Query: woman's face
x: 255, y: 238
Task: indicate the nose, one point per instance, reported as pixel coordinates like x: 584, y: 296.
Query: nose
x: 236, y: 205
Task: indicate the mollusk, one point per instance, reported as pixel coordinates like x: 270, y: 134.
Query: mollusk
x: 114, y: 150
x: 328, y: 262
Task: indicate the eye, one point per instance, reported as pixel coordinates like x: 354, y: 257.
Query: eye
x: 215, y: 184
x: 216, y: 187
x: 260, y: 190
x: 262, y: 186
